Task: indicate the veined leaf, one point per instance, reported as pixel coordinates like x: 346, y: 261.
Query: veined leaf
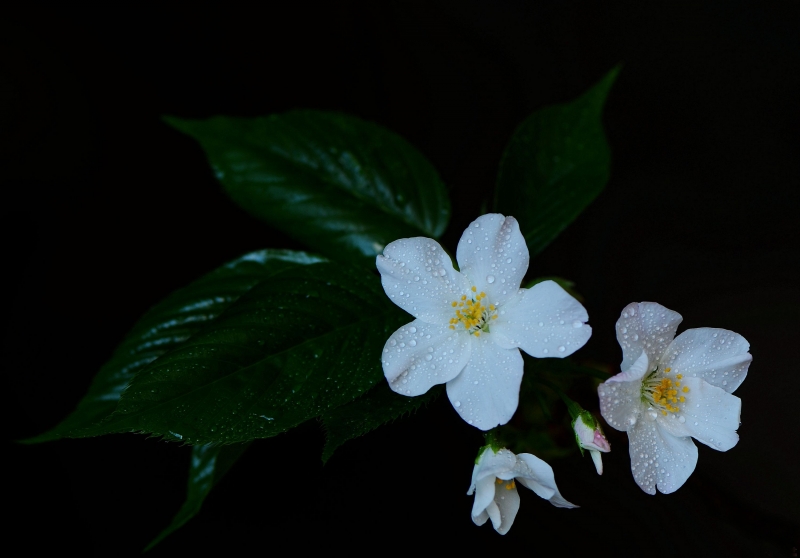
x: 376, y: 407
x: 556, y: 163
x: 341, y: 185
x: 168, y: 325
x: 209, y: 464
x: 299, y: 344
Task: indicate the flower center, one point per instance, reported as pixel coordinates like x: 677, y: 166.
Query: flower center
x: 473, y: 313
x: 663, y: 392
x: 509, y: 484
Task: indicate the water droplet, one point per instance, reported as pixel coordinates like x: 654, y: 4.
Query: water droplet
x: 508, y: 260
x: 681, y: 419
x: 561, y: 349
x: 541, y: 324
x: 413, y: 343
x: 457, y: 404
x: 392, y: 342
x: 428, y: 357
x: 545, y: 351
x: 577, y: 323
x: 652, y: 414
x: 490, y: 279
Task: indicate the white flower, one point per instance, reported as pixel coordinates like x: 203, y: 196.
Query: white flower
x: 494, y: 481
x: 470, y: 324
x: 672, y: 390
x: 590, y: 437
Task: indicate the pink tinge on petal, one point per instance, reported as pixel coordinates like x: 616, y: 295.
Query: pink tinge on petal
x: 601, y: 442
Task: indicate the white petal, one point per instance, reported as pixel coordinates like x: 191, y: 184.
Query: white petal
x: 597, y: 457
x: 492, y: 465
x: 418, y: 276
x: 507, y: 500
x: 494, y: 514
x: 718, y: 356
x: 481, y: 518
x: 659, y: 459
x: 484, y: 496
x: 710, y: 415
x: 486, y: 393
x: 493, y: 254
x: 621, y: 395
x: 544, y: 321
x: 420, y: 355
x: 645, y: 326
x: 537, y: 475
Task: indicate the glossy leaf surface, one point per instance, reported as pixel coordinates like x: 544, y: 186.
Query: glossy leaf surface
x: 378, y: 406
x: 301, y: 343
x: 168, y: 325
x: 208, y: 465
x: 556, y: 163
x: 341, y: 185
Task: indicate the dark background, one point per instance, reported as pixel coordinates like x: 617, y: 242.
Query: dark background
x: 107, y: 210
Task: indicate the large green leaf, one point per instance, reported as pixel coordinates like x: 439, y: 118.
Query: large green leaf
x: 297, y: 345
x: 209, y: 464
x: 341, y: 185
x: 376, y: 407
x: 556, y: 163
x: 169, y: 324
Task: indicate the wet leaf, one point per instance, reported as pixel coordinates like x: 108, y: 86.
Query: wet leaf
x: 556, y: 163
x: 341, y: 185
x: 299, y: 344
x: 168, y: 325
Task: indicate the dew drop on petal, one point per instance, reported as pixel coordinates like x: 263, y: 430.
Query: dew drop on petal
x: 577, y: 323
x: 561, y: 349
x: 490, y: 279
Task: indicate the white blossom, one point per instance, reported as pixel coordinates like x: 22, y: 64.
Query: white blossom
x: 470, y: 324
x: 494, y: 483
x: 673, y: 390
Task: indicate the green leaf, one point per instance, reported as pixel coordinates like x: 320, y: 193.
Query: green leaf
x: 301, y: 343
x: 341, y: 185
x: 168, y: 325
x: 556, y: 163
x: 376, y: 407
x: 209, y: 464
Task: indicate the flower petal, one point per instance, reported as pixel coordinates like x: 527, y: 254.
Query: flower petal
x: 710, y: 415
x: 418, y: 276
x: 645, y: 326
x: 493, y: 254
x: 659, y: 459
x: 491, y: 464
x: 537, y: 475
x: 507, y: 499
x: 718, y: 356
x: 420, y: 355
x: 544, y: 321
x: 484, y: 496
x: 620, y: 396
x: 486, y: 393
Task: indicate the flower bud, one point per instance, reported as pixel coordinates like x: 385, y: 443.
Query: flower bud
x: 590, y: 437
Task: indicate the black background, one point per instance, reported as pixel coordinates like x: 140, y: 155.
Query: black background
x: 107, y: 210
